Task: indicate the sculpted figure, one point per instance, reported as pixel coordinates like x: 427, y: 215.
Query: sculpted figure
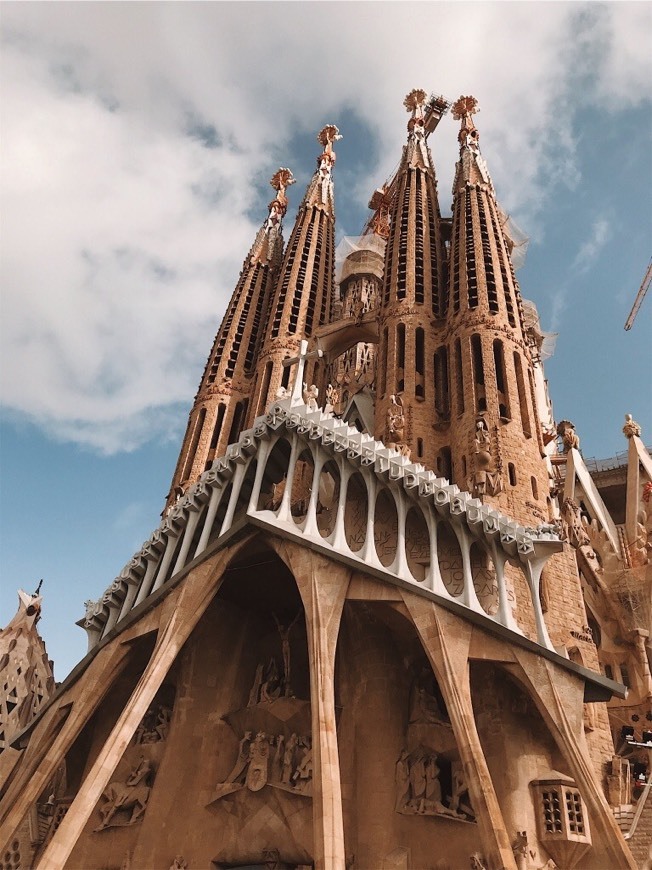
x: 460, y: 802
x: 302, y: 776
x: 631, y: 427
x: 132, y: 794
x: 332, y: 399
x: 402, y: 778
x: 395, y: 420
x: 285, y: 648
x: 310, y: 394
x: 271, y: 688
x: 571, y: 523
x: 569, y: 436
x: 258, y: 772
x: 282, y: 393
x: 239, y: 771
x: 179, y: 863
x: 163, y: 717
x: 519, y: 848
x: 277, y: 761
x: 254, y: 694
x: 288, y: 759
x: 418, y: 784
x: 424, y: 706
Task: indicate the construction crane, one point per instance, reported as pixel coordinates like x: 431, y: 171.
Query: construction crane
x: 642, y: 290
x: 382, y: 199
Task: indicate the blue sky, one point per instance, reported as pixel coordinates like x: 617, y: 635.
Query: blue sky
x: 137, y: 144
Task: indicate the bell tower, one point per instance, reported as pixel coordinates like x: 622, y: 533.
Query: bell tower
x: 412, y: 298
x: 484, y: 374
x: 222, y: 401
x: 302, y: 298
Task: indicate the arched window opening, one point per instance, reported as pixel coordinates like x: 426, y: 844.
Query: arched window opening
x: 501, y: 381
x: 511, y: 470
x: 459, y: 377
x: 400, y: 358
x: 285, y: 377
x: 478, y: 373
x: 264, y: 390
x: 419, y: 353
x: 187, y: 469
x: 442, y: 384
x: 217, y: 430
x: 445, y: 464
x: 522, y: 397
x: 236, y: 424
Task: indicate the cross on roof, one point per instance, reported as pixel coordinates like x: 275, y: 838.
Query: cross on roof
x: 300, y: 362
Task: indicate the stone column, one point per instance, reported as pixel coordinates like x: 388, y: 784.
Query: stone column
x: 196, y: 594
x: 323, y: 585
x: 559, y: 697
x: 446, y: 639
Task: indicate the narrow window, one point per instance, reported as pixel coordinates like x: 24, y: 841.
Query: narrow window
x: 512, y: 474
x: 194, y: 445
x: 285, y: 379
x: 464, y: 467
x: 262, y: 398
x: 419, y: 447
x: 400, y: 358
x: 478, y: 373
x: 442, y: 381
x: 522, y: 397
x: 609, y: 672
x: 444, y: 464
x: 419, y: 352
x: 501, y: 381
x: 382, y: 363
x: 459, y: 377
x: 535, y: 488
x: 236, y: 423
x: 624, y: 676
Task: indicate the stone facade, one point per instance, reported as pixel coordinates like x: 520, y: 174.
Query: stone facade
x: 394, y: 644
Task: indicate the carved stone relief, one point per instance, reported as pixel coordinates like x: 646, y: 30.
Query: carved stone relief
x: 125, y: 801
x: 486, y: 479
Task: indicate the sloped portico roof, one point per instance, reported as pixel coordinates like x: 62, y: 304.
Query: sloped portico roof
x: 228, y: 497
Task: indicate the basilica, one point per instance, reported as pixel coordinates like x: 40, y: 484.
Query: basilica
x: 391, y: 619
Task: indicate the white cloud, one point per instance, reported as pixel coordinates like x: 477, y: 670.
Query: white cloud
x: 124, y: 233
x: 600, y: 234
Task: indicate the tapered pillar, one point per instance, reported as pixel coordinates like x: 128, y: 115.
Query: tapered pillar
x: 446, y: 639
x: 197, y: 593
x: 558, y: 696
x: 322, y: 585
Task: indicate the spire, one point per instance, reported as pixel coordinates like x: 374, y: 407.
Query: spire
x: 302, y: 298
x: 472, y: 167
x: 26, y: 679
x: 222, y: 400
x: 413, y: 288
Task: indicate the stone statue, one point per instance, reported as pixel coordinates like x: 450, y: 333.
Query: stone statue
x: 569, y: 437
x: 302, y: 776
x: 282, y: 393
x: 395, y: 420
x: 424, y: 706
x: 254, y: 694
x: 271, y: 688
x: 477, y: 862
x: 288, y: 759
x: 332, y: 399
x: 131, y: 795
x: 572, y: 529
x: 486, y: 480
x: 631, y: 427
x: 418, y: 784
x: 460, y: 802
x: 519, y: 848
x: 285, y: 648
x: 179, y: 863
x: 277, y: 761
x: 239, y: 772
x: 402, y: 777
x: 258, y: 771
x: 310, y: 394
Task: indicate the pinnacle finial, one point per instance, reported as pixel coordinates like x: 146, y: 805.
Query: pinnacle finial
x: 326, y: 136
x: 463, y: 109
x: 415, y: 102
x: 631, y: 427
x: 280, y: 181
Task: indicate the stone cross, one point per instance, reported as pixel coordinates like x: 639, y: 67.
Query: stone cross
x: 300, y: 362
